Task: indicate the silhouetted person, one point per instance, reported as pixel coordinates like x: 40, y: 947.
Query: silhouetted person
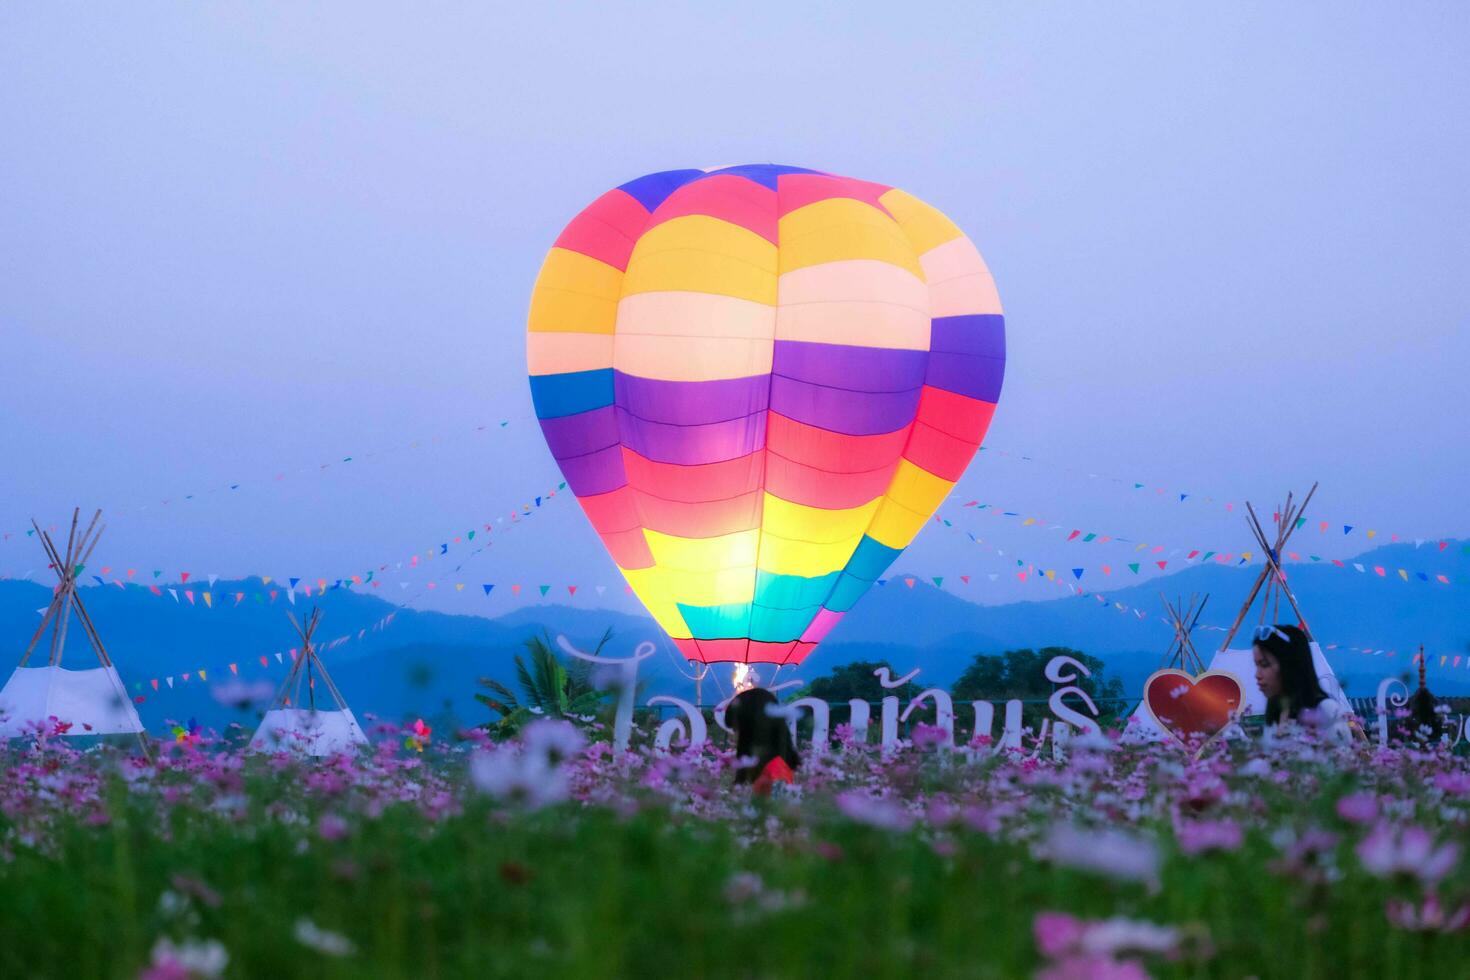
x: 763, y: 750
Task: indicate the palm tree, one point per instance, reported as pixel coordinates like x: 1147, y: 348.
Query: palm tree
x: 550, y: 689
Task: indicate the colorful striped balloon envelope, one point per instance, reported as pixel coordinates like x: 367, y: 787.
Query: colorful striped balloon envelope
x: 760, y: 382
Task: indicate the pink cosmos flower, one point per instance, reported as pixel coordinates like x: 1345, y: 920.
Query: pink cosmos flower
x: 1407, y: 851
x: 1112, y: 853
x: 1199, y: 836
x: 1358, y: 808
x: 873, y: 811
x: 1083, y: 950
x: 1092, y: 968
x: 1429, y: 917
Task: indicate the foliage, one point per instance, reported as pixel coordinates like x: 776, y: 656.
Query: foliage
x: 550, y: 689
x: 856, y: 681
x: 1021, y: 674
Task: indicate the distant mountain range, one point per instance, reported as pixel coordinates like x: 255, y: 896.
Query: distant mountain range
x: 425, y: 664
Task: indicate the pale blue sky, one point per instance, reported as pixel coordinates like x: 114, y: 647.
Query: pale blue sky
x: 1231, y: 240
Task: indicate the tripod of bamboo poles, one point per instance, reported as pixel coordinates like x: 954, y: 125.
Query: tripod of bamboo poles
x: 65, y: 599
x: 1271, y: 584
x: 1184, y: 619
x: 306, y: 669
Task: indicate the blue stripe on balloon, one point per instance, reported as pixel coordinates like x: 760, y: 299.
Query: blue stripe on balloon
x: 556, y: 395
x: 776, y: 591
x: 651, y: 190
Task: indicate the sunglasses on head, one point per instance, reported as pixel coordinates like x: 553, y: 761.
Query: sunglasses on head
x: 1265, y: 632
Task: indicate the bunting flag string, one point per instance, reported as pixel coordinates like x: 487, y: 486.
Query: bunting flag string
x: 280, y: 475
x: 234, y: 667
x: 1325, y: 527
x: 129, y: 575
x: 1194, y: 555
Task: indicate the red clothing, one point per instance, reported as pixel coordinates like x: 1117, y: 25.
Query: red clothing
x: 776, y: 771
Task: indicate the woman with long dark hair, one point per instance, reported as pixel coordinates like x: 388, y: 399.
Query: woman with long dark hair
x: 764, y: 754
x: 1288, y: 678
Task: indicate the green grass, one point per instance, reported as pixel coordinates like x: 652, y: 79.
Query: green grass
x: 581, y: 892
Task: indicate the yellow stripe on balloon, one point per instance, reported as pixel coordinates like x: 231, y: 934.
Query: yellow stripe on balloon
x: 648, y: 588
x: 918, y: 489
x: 842, y: 228
x: 895, y: 525
x: 798, y: 522
x: 705, y: 255
x: 574, y: 293
x: 924, y: 226
x: 710, y: 587
x: 805, y: 558
x: 736, y: 550
x: 914, y: 494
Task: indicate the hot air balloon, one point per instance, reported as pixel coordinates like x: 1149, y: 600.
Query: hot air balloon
x: 760, y: 382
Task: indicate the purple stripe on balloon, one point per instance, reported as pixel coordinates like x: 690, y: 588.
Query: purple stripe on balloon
x: 973, y: 375
x: 874, y: 369
x: 976, y: 333
x: 595, y: 473
x: 690, y: 445
x: 854, y: 413
x: 691, y: 402
x: 585, y: 432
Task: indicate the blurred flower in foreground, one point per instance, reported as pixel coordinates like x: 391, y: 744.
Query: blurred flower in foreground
x: 1429, y: 917
x: 532, y: 773
x: 310, y: 935
x: 191, y: 958
x: 1081, y: 950
x: 1111, y: 853
x: 1199, y: 836
x: 1358, y: 808
x: 873, y: 811
x: 1409, y: 851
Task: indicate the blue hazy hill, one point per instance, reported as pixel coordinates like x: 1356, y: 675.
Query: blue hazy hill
x: 425, y: 663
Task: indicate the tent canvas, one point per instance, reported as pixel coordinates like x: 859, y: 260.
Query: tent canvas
x: 92, y: 701
x: 294, y: 722
x: 307, y: 731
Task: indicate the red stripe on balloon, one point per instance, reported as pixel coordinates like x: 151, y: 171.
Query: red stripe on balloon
x: 736, y: 200
x: 607, y: 229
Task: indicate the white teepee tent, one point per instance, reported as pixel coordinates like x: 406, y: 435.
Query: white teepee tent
x: 1271, y: 586
x: 67, y: 702
x: 293, y: 726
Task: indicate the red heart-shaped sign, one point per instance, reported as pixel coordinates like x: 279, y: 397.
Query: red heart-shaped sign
x: 1191, y: 708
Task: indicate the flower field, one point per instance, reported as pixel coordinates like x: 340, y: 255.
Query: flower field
x: 551, y: 856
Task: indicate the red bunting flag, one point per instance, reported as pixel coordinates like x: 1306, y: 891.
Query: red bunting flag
x: 234, y: 669
x: 183, y: 576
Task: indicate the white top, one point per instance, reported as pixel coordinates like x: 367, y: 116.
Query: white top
x: 1329, y: 718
